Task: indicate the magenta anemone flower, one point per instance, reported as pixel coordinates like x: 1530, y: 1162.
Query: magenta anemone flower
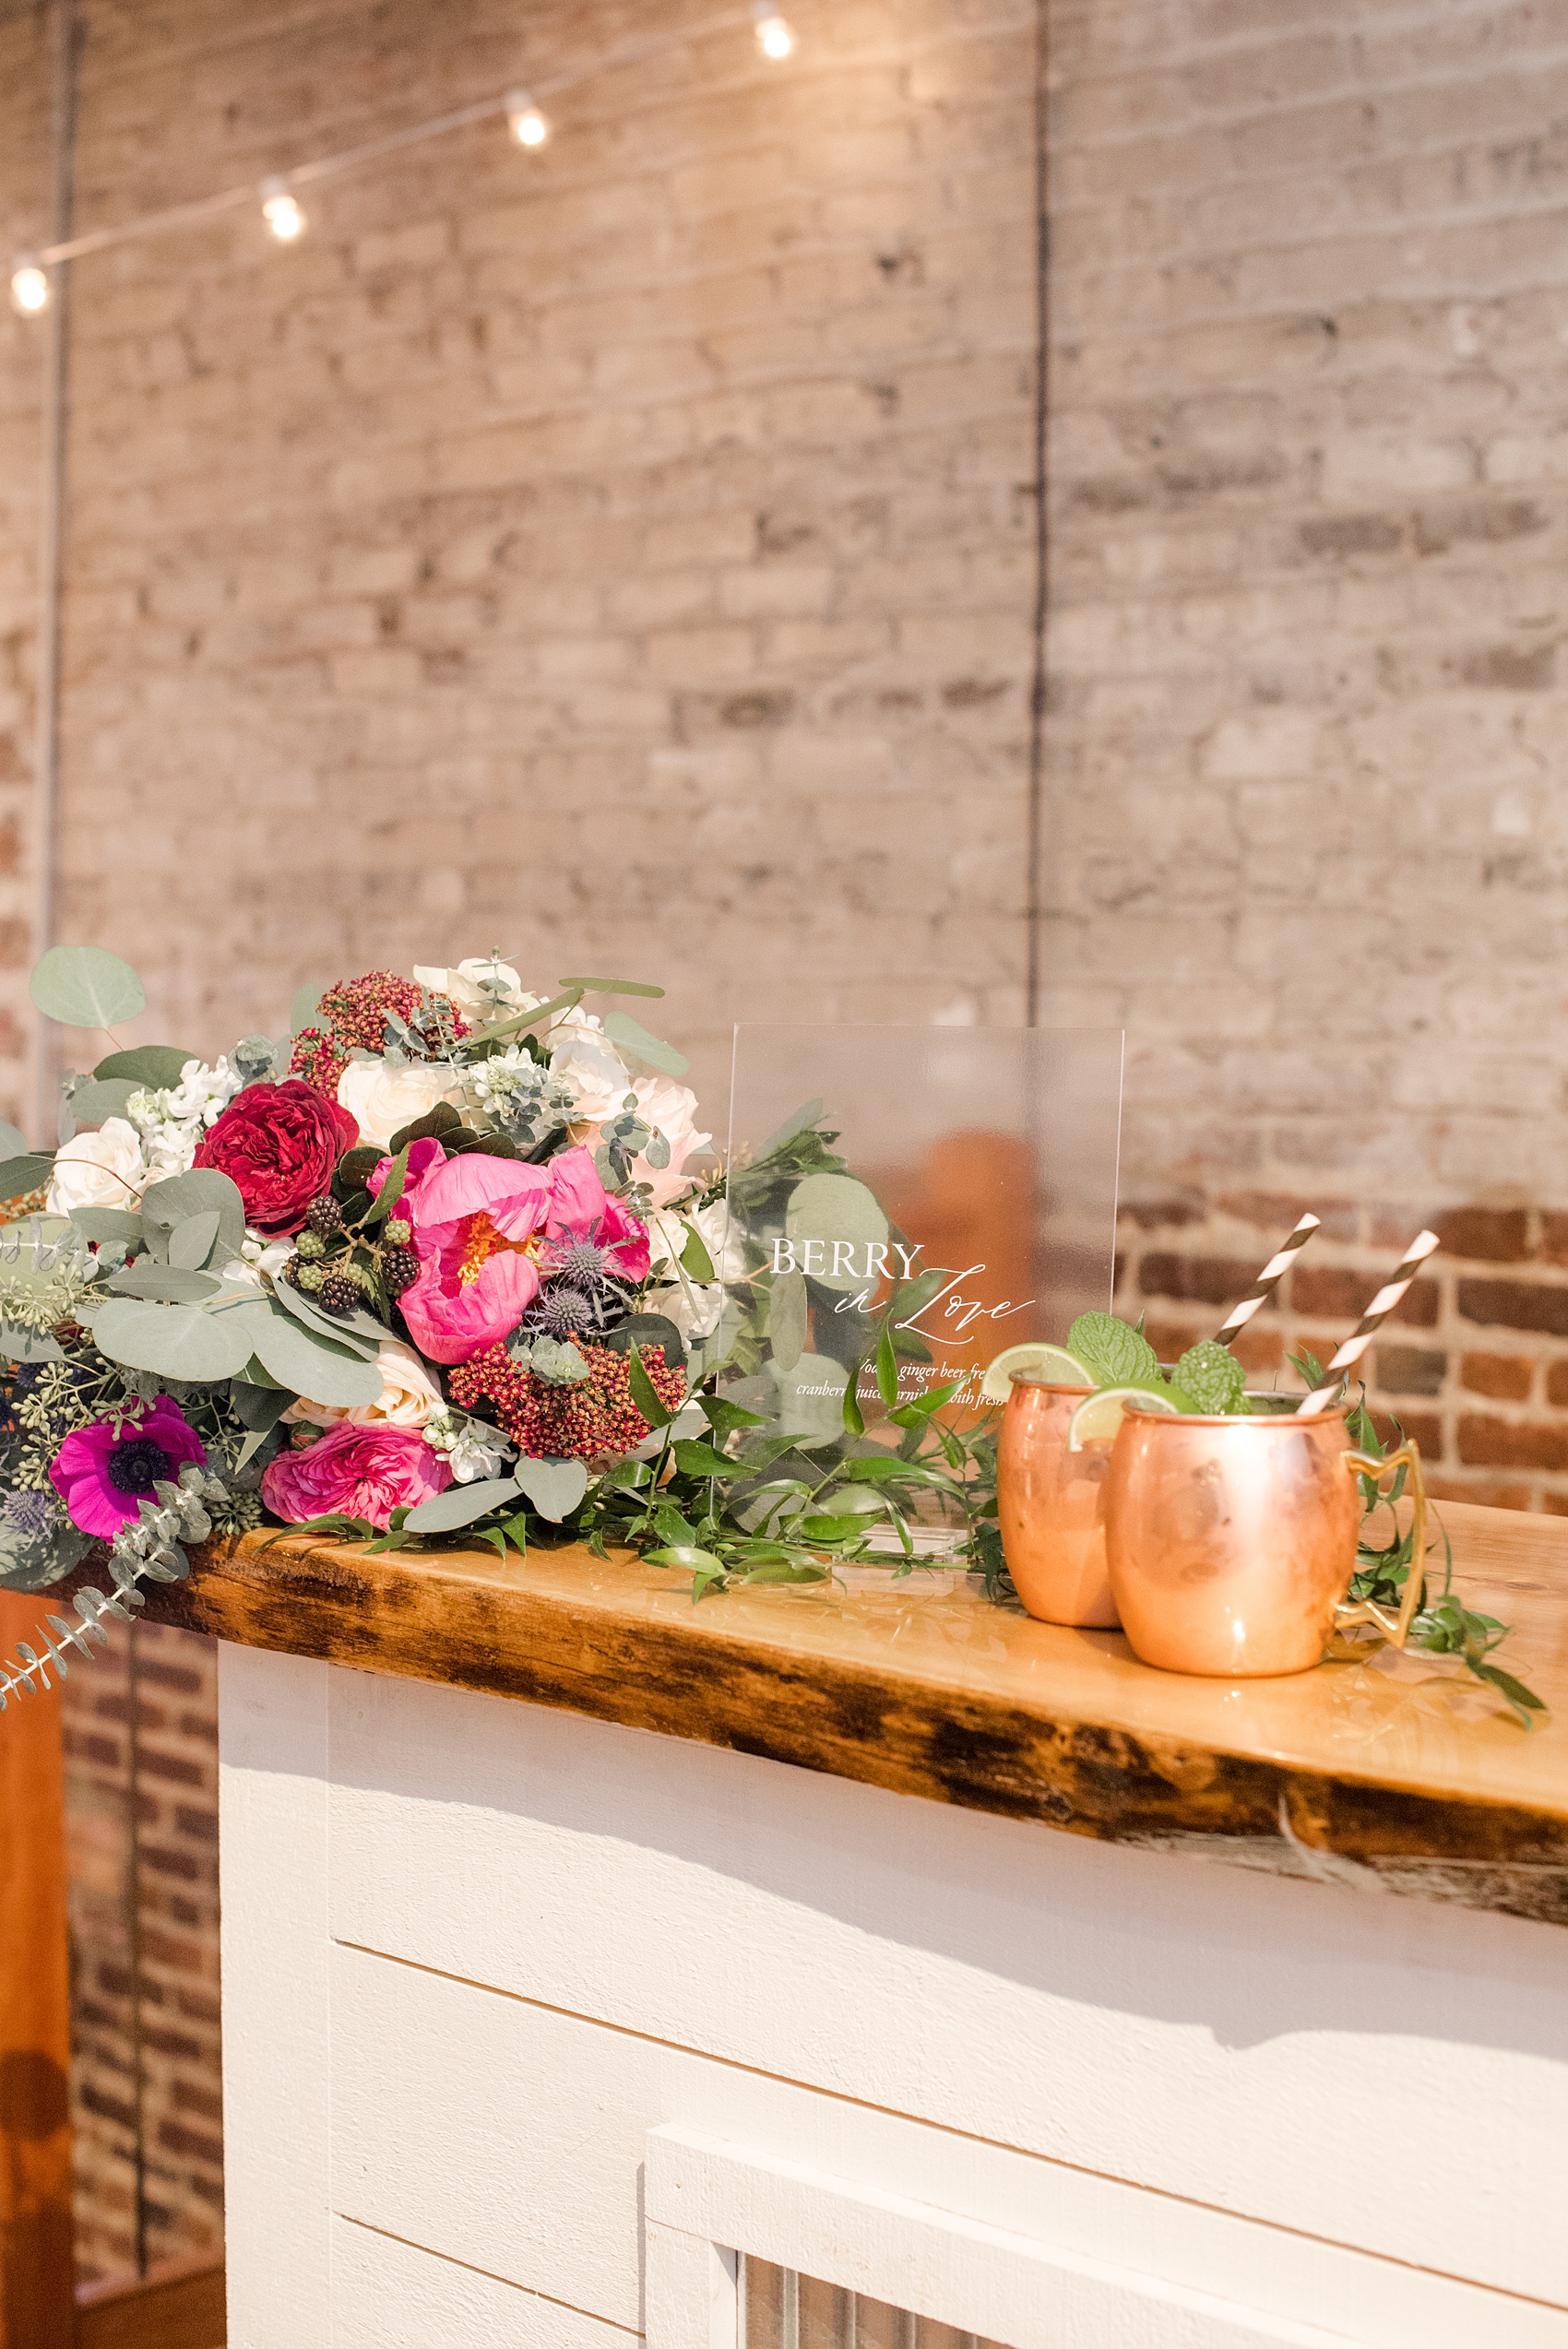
x: 102, y: 1477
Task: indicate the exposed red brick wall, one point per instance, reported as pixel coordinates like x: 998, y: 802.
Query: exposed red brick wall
x: 1474, y: 1363
x: 141, y: 1758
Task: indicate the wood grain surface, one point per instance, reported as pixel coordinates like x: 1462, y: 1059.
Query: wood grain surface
x: 1397, y: 1772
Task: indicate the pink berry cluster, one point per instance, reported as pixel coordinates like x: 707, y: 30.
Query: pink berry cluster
x: 353, y: 1017
x: 567, y: 1422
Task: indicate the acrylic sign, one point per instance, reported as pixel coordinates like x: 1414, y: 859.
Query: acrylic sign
x: 966, y: 1203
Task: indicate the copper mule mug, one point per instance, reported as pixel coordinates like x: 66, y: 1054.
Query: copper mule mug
x: 1050, y: 1503
x: 1231, y: 1542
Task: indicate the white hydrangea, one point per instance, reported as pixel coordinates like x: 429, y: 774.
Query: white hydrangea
x: 172, y: 1119
x: 474, y: 1450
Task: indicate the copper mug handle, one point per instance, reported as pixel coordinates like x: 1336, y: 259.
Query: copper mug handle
x: 1366, y: 1610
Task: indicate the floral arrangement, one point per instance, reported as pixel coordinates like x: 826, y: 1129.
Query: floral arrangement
x: 451, y: 1261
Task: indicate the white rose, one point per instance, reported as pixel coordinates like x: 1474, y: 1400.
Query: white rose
x: 408, y: 1395
x: 671, y: 1110
x: 583, y: 1060
x: 101, y: 1169
x: 386, y: 1096
x: 694, y: 1306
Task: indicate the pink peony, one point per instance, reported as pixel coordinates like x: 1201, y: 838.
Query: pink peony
x: 103, y: 1477
x: 357, y: 1470
x: 486, y: 1230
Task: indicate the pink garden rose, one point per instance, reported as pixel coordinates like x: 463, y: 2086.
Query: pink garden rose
x: 103, y: 1477
x: 486, y: 1231
x: 363, y: 1471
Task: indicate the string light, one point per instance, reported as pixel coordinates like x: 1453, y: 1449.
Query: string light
x: 281, y: 211
x: 30, y: 289
x: 528, y: 125
x: 774, y: 37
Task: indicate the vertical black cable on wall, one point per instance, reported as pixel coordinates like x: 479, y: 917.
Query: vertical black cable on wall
x: 1035, y: 895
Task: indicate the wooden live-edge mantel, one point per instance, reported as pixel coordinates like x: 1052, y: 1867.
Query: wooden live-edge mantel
x: 1394, y: 1772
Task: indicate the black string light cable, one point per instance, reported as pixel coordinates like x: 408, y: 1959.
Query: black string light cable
x: 33, y: 279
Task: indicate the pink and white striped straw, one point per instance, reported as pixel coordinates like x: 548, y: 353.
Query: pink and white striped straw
x: 1367, y: 1328
x: 1267, y: 1282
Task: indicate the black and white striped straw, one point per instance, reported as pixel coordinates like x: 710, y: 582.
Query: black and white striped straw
x: 1371, y: 1321
x: 1267, y: 1281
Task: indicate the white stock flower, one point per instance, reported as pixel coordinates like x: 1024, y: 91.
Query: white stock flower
x: 474, y: 1450
x: 172, y: 1119
x: 588, y: 1065
x: 103, y: 1170
x: 408, y: 1395
x: 671, y: 1110
x: 384, y: 1096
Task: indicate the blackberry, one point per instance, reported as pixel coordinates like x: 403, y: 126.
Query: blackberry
x: 293, y: 1270
x: 310, y: 1245
x: 398, y: 1232
x: 400, y: 1270
x: 339, y: 1296
x: 324, y: 1216
x: 307, y: 1277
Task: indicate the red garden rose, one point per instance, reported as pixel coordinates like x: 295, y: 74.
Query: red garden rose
x: 280, y: 1144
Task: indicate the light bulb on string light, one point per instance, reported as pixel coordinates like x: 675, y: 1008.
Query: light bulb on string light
x: 30, y: 289
x: 774, y: 37
x: 526, y: 125
x: 284, y: 218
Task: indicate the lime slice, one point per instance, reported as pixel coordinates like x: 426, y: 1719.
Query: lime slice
x: 1097, y: 1418
x: 1048, y: 1365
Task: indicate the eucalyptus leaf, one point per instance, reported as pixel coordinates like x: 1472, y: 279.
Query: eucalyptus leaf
x: 100, y: 1099
x: 298, y: 1359
x: 155, y: 1067
x: 27, y: 1173
x: 304, y: 1007
x: 642, y: 1330
x: 204, y: 1189
x: 173, y: 1341
x: 827, y: 1211
x: 87, y: 987
x: 554, y: 1487
x: 20, y: 1344
x: 356, y: 1332
x: 107, y: 1224
x: 12, y: 1142
x: 459, y: 1505
x: 787, y: 1319
x: 167, y: 1285
x: 191, y: 1243
x: 623, y: 1029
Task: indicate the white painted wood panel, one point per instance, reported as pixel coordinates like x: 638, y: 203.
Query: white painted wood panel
x: 1384, y: 2073
x: 511, y: 2136
x: 391, y: 2295
x: 962, y: 2272
x: 272, y: 1820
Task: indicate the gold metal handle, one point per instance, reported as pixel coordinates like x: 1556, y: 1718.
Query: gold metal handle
x: 1396, y: 1628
